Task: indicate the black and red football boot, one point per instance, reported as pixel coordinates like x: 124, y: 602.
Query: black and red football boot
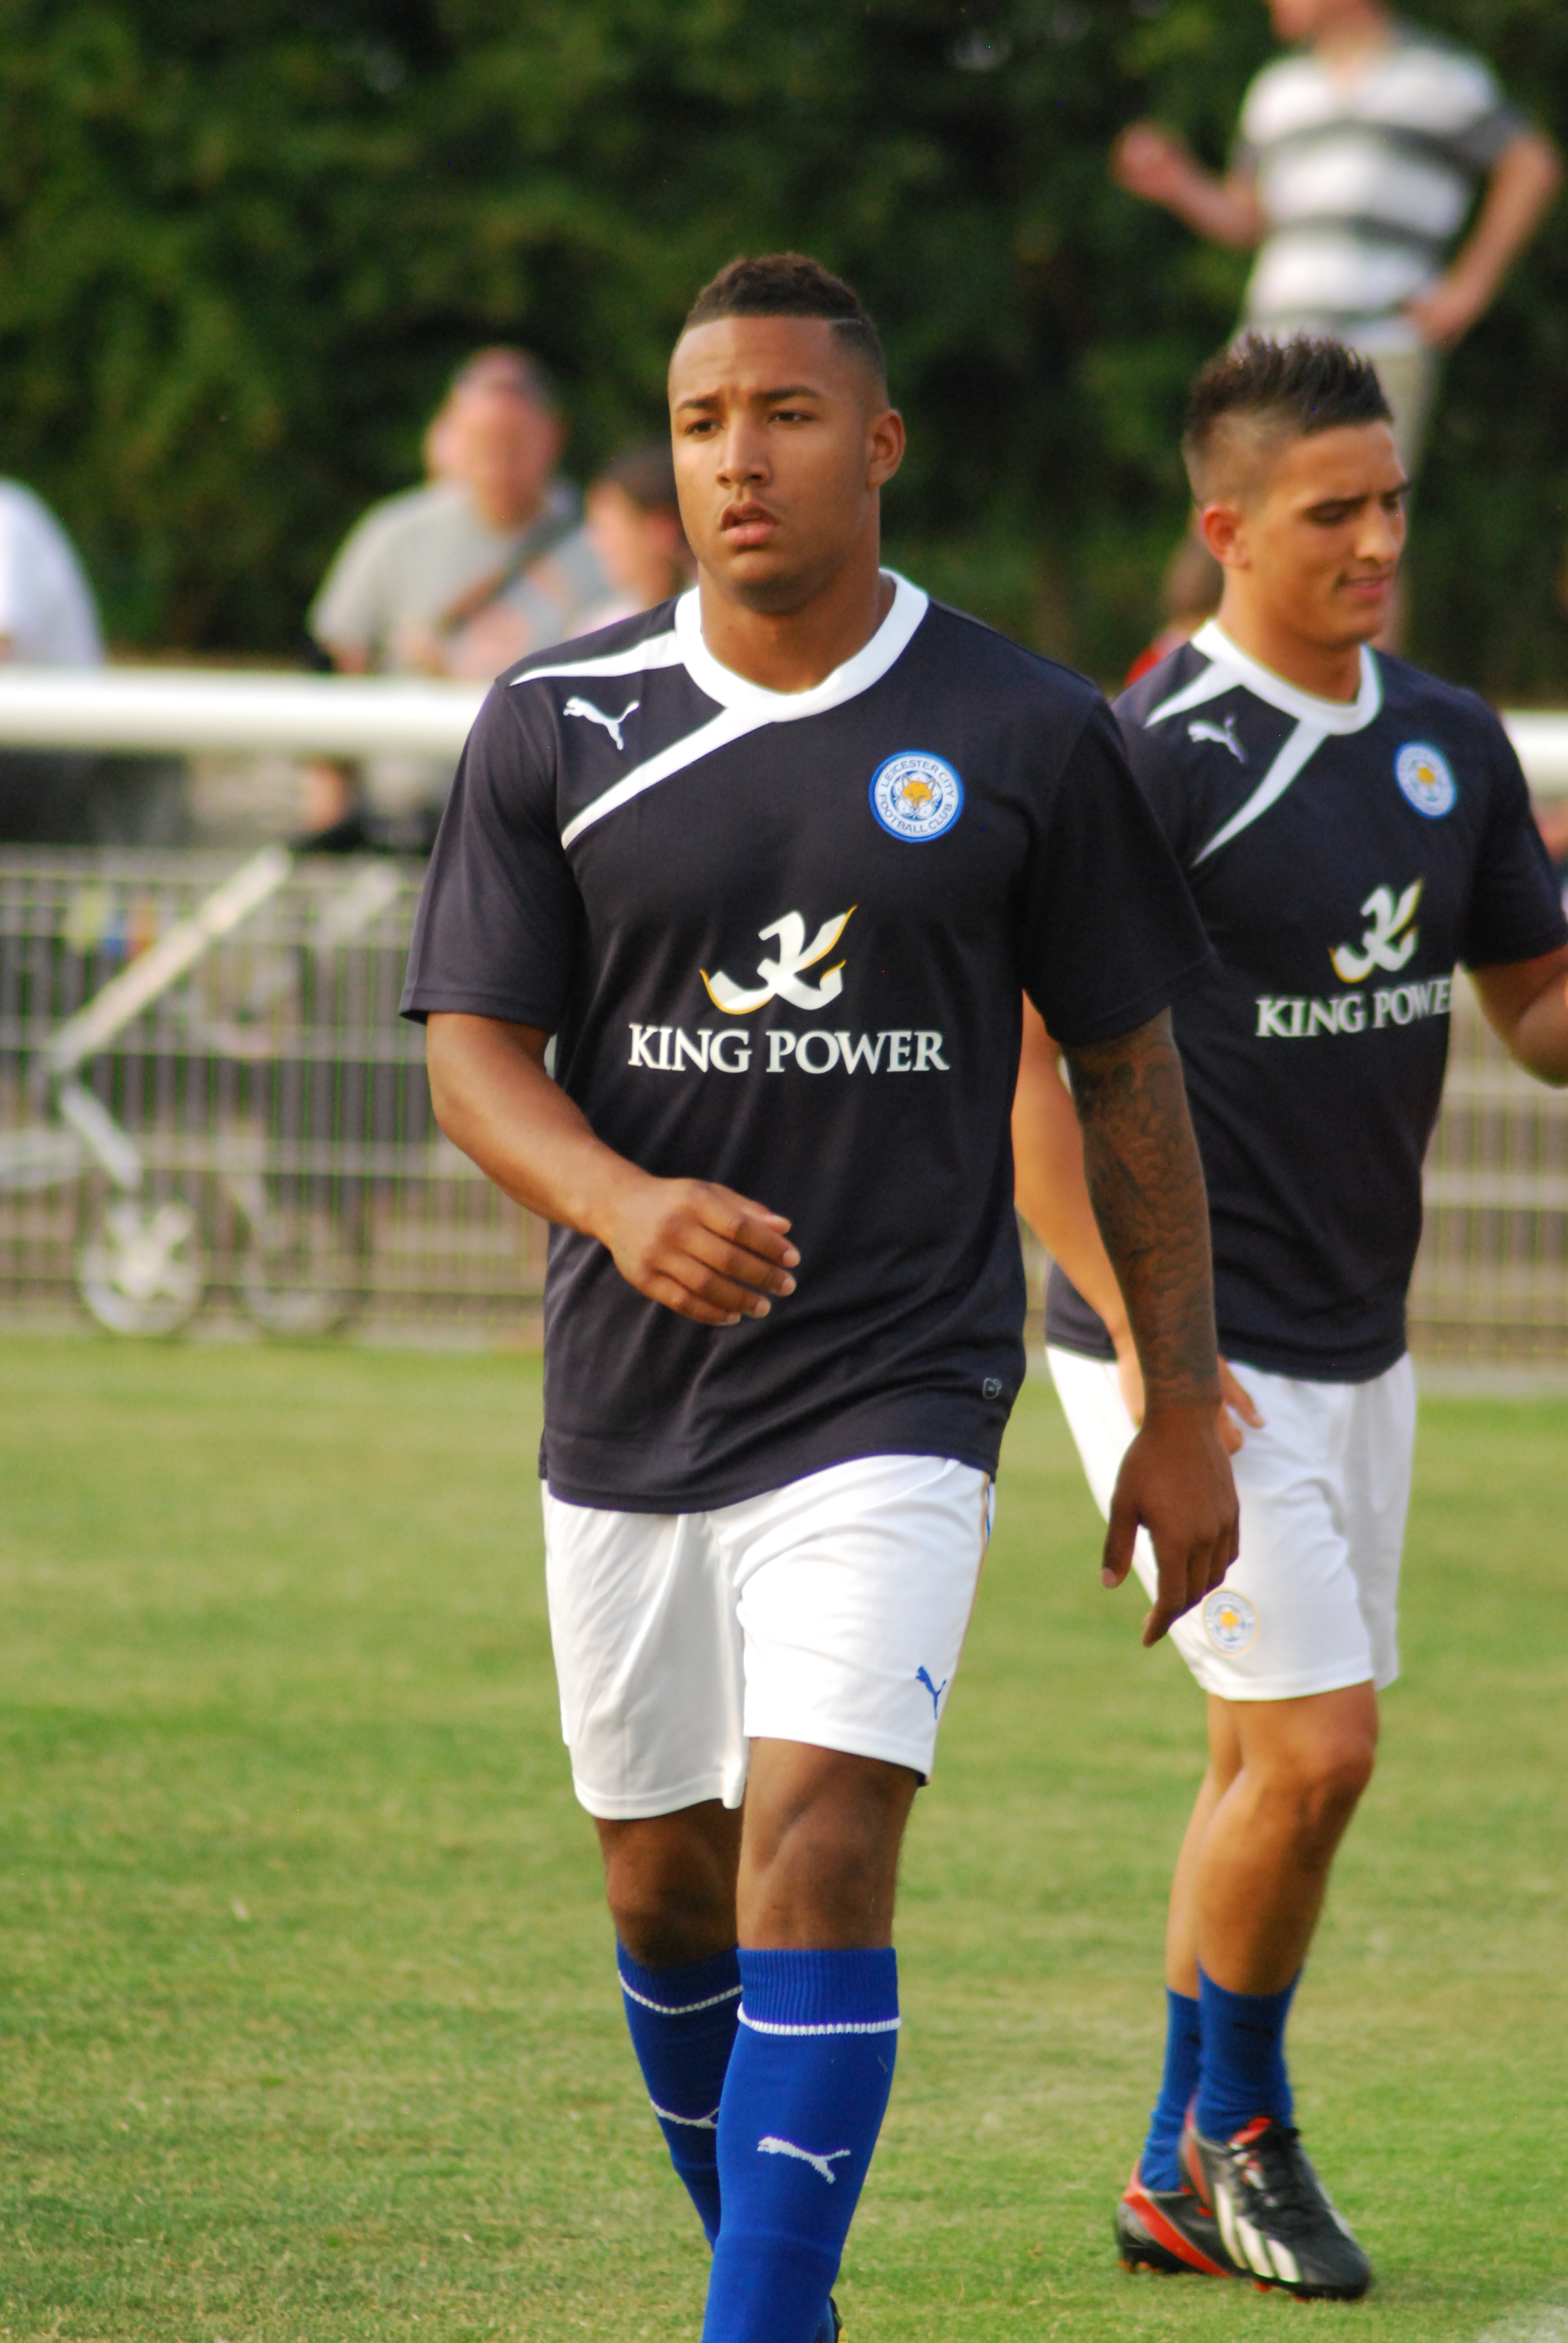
x: 1169, y: 2230
x: 1278, y: 2224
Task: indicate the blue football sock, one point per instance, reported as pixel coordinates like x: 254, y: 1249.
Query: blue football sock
x: 1243, y: 2061
x: 682, y: 2026
x: 1160, y: 2166
x: 803, y: 2103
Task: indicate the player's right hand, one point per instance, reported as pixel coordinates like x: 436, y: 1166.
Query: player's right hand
x: 699, y: 1248
x: 1175, y: 1481
x: 1149, y: 161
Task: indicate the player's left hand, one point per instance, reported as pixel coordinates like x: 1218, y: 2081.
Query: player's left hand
x: 1238, y: 1400
x: 1175, y: 1481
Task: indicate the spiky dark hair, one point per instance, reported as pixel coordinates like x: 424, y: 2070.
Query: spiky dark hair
x: 1285, y: 390
x: 790, y: 285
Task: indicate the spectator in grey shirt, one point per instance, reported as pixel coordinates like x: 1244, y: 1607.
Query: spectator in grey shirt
x: 1358, y: 159
x: 458, y: 578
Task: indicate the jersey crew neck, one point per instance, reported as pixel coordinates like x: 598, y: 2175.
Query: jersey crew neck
x: 1344, y: 859
x: 1231, y: 664
x: 891, y: 638
x: 781, y: 940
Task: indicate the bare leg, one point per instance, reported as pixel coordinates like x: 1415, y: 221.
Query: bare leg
x: 816, y: 1860
x: 671, y: 1882
x: 1262, y: 1869
x: 1182, y: 1925
x: 813, y: 1868
x: 1284, y: 1780
x: 813, y: 2063
x: 820, y: 1859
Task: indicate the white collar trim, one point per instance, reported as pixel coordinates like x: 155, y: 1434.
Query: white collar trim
x: 867, y: 667
x: 1305, y: 706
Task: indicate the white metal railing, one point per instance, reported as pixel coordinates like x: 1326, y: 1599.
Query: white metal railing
x: 205, y: 1090
x: 180, y: 711
x: 191, y: 713
x: 208, y: 1101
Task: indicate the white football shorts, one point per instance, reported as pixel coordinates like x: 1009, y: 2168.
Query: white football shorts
x: 831, y: 1611
x: 1311, y: 1604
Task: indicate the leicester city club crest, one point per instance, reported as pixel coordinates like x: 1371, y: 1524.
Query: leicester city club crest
x: 1229, y: 1622
x: 915, y: 794
x: 1424, y: 779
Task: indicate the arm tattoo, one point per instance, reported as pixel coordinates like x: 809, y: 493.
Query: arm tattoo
x: 1146, y: 1184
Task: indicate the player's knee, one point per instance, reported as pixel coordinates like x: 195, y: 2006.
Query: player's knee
x: 664, y: 1923
x: 828, y: 1876
x: 836, y: 1884
x: 1329, y: 1780
x: 670, y: 1896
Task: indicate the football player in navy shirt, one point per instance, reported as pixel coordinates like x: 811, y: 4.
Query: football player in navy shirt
x: 1352, y: 829
x: 773, y: 864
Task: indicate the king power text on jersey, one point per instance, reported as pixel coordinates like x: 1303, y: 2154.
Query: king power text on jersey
x: 1298, y: 1020
x: 899, y: 1050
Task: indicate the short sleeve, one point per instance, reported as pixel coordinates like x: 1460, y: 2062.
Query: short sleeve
x: 1111, y: 932
x: 346, y: 613
x: 1515, y: 911
x: 499, y: 925
x: 1490, y: 125
x: 1482, y: 143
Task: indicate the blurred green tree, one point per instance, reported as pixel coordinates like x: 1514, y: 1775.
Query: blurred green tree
x: 240, y: 249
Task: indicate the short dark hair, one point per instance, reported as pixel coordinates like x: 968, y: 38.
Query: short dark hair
x: 503, y: 368
x: 1277, y: 391
x: 790, y: 285
x: 645, y: 474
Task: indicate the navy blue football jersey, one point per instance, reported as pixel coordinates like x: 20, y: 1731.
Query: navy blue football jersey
x: 1344, y: 861
x: 781, y: 938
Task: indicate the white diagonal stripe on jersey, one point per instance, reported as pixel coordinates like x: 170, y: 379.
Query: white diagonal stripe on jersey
x: 1207, y: 686
x: 658, y: 650
x: 732, y: 724
x: 1298, y: 748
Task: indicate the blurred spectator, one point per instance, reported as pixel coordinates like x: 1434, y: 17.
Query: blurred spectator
x: 1189, y: 597
x: 441, y: 448
x: 484, y: 564
x: 1357, y: 161
x: 633, y: 523
x: 47, y: 615
x: 487, y: 561
x: 47, y: 619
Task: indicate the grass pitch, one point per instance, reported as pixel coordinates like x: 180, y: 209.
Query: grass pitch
x: 308, y: 2025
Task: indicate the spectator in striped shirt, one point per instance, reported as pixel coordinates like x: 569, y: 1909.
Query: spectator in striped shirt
x: 1358, y: 159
